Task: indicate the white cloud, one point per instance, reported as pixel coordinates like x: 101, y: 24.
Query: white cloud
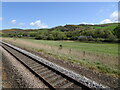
x: 13, y: 22
x: 113, y: 18
x: 38, y: 24
x: 1, y: 18
x: 106, y: 21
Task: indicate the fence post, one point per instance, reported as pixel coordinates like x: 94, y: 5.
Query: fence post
x: 83, y: 53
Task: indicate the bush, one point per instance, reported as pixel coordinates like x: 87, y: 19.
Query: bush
x: 82, y: 38
x: 111, y: 38
x: 38, y: 37
x: 98, y: 39
x: 59, y: 35
x: 74, y: 38
x: 50, y: 37
x: 117, y: 31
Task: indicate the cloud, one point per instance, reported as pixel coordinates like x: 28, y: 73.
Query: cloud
x: 38, y: 24
x: 113, y: 18
x: 13, y: 21
x: 106, y: 21
x: 1, y: 18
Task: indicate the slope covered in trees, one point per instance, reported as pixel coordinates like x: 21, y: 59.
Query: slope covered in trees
x: 82, y: 32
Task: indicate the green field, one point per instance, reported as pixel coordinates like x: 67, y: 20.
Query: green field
x: 102, y: 48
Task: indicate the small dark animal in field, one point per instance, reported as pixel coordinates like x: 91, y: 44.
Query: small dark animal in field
x: 60, y: 46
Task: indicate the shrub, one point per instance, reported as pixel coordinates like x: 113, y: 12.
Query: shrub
x: 82, y: 38
x: 50, y: 37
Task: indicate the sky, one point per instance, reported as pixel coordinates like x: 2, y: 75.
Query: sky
x: 60, y: 0
x: 34, y: 15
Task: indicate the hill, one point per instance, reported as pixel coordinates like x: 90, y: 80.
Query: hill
x: 82, y: 32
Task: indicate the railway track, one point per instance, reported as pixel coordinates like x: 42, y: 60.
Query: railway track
x: 51, y: 74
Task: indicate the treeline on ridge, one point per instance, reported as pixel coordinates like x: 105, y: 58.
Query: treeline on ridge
x: 82, y: 32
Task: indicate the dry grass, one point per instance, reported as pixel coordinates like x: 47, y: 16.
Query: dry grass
x: 69, y: 54
x: 93, y: 57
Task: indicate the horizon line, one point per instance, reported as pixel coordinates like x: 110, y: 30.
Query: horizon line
x: 60, y: 25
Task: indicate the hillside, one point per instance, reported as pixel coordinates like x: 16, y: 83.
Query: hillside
x: 82, y: 32
x: 110, y: 26
x: 86, y: 27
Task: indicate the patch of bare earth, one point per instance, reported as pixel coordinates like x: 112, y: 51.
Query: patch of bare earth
x: 15, y: 75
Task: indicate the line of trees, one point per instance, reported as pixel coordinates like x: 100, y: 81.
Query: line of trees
x: 55, y: 35
x: 87, y: 34
x: 95, y: 34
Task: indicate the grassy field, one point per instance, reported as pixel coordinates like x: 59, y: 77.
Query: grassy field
x: 102, y: 57
x: 102, y: 48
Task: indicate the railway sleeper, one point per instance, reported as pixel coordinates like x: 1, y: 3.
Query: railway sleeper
x: 59, y: 82
x: 45, y: 73
x: 49, y: 75
x: 53, y: 78
x: 38, y: 68
x: 34, y: 66
x: 66, y: 85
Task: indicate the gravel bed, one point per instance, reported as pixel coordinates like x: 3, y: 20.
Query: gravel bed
x: 18, y: 75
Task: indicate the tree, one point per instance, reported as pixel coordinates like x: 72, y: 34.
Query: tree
x: 58, y: 35
x: 117, y: 31
x: 50, y: 37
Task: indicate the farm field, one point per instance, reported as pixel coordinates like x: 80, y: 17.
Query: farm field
x: 101, y: 48
x: 102, y: 57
